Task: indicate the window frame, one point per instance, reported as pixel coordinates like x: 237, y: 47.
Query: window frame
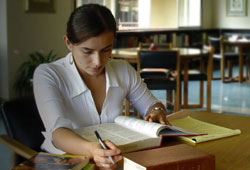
x: 187, y: 26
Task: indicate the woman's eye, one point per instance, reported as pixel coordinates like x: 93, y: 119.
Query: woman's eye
x: 87, y: 52
x: 106, y: 50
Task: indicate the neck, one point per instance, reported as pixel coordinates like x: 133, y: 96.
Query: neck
x: 85, y: 76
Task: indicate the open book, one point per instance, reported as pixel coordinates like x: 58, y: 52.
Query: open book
x: 131, y: 134
x: 213, y: 131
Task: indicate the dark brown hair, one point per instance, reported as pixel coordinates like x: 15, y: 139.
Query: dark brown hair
x: 89, y: 21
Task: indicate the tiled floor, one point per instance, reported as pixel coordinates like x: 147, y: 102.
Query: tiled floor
x: 230, y: 98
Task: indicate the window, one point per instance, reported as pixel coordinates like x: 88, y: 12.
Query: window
x: 189, y: 13
x: 127, y: 13
x: 80, y: 2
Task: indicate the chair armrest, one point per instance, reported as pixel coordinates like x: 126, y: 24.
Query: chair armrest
x: 156, y: 70
x: 17, y: 147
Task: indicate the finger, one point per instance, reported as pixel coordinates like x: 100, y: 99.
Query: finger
x: 165, y: 120
x: 112, y: 146
x: 162, y: 121
x: 106, y: 153
x: 101, y: 159
x: 147, y: 118
x: 153, y: 117
x: 117, y: 158
x: 104, y: 166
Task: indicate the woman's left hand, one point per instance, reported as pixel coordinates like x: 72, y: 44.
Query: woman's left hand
x: 157, y: 116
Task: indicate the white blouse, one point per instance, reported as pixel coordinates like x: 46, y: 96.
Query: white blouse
x: 64, y: 100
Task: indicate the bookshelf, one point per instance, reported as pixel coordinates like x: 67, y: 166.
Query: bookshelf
x: 195, y: 37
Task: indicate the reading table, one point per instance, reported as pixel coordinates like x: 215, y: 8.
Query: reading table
x: 231, y: 153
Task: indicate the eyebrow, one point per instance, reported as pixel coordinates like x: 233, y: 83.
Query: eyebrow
x: 90, y: 49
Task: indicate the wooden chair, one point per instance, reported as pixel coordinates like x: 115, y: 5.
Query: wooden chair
x: 155, y: 69
x: 220, y: 54
x: 23, y: 125
x: 130, y: 110
x: 243, y: 52
x: 204, y: 73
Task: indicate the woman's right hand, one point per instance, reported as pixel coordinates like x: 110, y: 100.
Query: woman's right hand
x: 101, y: 156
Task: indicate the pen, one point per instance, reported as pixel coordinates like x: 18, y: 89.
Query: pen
x: 103, y: 145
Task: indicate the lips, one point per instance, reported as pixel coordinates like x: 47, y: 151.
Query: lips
x: 96, y: 69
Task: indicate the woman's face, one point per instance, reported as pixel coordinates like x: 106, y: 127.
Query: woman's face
x: 92, y: 55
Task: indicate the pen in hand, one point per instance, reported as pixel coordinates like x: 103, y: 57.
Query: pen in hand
x: 103, y: 145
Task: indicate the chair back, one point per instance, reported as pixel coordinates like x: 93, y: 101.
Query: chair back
x: 216, y: 43
x: 22, y: 122
x: 166, y: 59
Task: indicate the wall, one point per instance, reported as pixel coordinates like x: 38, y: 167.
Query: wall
x: 164, y: 13
x: 221, y: 20
x: 4, y: 93
x: 30, y: 32
x: 160, y: 17
x: 207, y: 14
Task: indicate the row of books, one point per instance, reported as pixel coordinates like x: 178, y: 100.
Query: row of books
x: 177, y: 39
x: 133, y: 41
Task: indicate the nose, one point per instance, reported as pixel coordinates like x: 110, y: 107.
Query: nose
x: 97, y: 59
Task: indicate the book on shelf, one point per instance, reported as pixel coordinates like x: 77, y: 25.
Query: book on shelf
x: 131, y: 134
x: 48, y: 161
x: 132, y: 41
x: 155, y: 39
x: 204, y: 38
x: 213, y: 131
x: 174, y: 157
x: 163, y: 38
x: 174, y: 39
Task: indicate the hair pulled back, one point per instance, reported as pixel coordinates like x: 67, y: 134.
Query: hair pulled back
x: 89, y: 21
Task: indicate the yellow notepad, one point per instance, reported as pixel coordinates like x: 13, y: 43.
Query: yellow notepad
x: 213, y: 131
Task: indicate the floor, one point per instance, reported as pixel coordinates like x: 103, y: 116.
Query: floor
x: 229, y: 98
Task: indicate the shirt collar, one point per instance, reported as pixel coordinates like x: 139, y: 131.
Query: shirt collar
x: 77, y: 86
x: 112, y: 79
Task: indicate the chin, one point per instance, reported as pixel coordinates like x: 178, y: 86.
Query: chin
x: 95, y: 73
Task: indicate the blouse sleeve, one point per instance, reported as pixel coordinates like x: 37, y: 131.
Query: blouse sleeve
x: 49, y: 102
x: 139, y: 95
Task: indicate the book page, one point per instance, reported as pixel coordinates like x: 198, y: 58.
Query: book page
x: 154, y: 129
x: 145, y: 127
x: 111, y: 131
x: 213, y: 131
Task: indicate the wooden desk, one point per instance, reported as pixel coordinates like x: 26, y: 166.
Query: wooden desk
x: 240, y: 44
x: 130, y: 54
x: 231, y: 153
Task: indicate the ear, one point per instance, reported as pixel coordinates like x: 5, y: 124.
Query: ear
x: 67, y: 42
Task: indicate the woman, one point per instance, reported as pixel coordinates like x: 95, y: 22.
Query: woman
x: 87, y: 88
